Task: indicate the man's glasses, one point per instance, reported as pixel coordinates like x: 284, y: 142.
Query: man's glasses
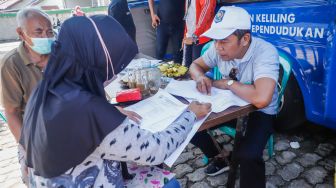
x: 233, y: 74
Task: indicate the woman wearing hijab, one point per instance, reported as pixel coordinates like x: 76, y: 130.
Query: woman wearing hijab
x: 72, y: 136
x: 120, y: 11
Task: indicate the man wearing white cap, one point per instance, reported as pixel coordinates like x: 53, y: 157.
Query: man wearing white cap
x: 250, y: 68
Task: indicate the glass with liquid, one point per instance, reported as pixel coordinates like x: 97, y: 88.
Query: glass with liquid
x: 142, y: 81
x: 154, y: 80
x: 131, y: 78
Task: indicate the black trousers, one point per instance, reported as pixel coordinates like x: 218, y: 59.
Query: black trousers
x: 250, y: 152
x: 192, y: 52
x: 166, y: 32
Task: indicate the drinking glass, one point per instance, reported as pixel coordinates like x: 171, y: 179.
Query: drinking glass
x: 131, y: 78
x: 154, y: 80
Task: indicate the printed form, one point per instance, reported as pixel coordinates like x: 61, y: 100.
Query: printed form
x: 220, y: 99
x: 158, y: 111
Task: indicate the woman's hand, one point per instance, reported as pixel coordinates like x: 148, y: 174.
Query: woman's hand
x: 130, y: 114
x: 200, y: 109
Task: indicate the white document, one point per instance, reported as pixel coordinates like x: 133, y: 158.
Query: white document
x: 173, y: 157
x: 220, y: 99
x: 137, y: 63
x: 158, y: 111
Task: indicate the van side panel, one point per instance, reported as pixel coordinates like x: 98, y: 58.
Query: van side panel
x: 330, y: 113
x: 301, y: 29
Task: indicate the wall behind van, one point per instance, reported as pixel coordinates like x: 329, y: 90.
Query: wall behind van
x: 145, y: 34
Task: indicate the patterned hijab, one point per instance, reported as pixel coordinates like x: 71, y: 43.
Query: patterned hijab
x: 67, y: 115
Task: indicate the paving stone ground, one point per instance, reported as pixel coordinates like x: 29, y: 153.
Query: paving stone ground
x: 312, y: 165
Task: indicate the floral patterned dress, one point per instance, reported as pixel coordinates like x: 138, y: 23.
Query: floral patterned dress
x: 126, y: 143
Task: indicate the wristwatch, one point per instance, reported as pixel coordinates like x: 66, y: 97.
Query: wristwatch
x: 229, y: 83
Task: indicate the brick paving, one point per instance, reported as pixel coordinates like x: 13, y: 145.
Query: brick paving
x: 311, y: 165
x: 9, y: 165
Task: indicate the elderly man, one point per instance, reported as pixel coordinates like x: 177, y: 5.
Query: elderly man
x: 22, y: 67
x: 250, y: 68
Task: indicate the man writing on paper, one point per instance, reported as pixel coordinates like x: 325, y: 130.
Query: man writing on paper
x: 249, y: 67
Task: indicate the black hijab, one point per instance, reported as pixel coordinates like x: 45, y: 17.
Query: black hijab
x: 67, y: 115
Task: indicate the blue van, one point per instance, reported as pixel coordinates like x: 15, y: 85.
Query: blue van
x: 304, y: 32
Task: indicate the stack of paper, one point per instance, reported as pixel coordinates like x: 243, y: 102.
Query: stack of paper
x: 220, y: 99
x: 158, y: 111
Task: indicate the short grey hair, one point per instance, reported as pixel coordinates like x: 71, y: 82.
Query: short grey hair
x: 29, y: 12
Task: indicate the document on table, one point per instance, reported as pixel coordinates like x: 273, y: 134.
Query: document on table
x: 173, y: 157
x: 137, y: 63
x: 158, y: 111
x: 220, y: 99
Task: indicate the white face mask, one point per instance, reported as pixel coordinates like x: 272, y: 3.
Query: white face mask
x: 107, y: 55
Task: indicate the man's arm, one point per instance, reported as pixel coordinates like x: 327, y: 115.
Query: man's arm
x: 197, y: 70
x: 11, y: 96
x: 151, y: 7
x: 14, y: 118
x: 259, y: 94
x: 155, y: 18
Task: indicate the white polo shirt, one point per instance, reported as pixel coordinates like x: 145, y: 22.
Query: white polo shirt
x: 261, y: 60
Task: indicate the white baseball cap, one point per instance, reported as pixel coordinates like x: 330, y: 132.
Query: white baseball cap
x: 227, y: 20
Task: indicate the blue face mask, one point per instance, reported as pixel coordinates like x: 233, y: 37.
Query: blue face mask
x: 42, y: 45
